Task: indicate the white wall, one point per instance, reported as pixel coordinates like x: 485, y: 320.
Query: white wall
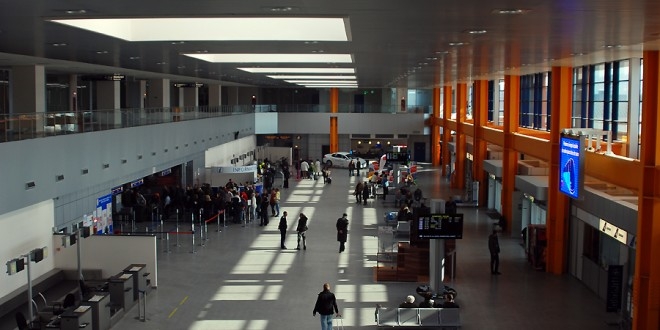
x: 22, y: 231
x: 223, y: 154
x: 109, y: 253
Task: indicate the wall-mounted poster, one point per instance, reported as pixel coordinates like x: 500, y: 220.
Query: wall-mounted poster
x: 104, y: 215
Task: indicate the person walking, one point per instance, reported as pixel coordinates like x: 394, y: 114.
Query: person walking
x: 358, y: 192
x: 326, y: 304
x: 351, y: 167
x: 282, y: 227
x: 342, y: 232
x: 301, y: 229
x: 366, y: 190
x: 494, y: 248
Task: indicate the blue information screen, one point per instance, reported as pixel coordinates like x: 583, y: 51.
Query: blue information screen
x: 569, y: 166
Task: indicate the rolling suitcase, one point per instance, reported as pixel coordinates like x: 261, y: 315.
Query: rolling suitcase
x: 338, y: 323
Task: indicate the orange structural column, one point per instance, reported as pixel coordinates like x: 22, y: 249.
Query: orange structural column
x: 510, y: 157
x: 435, y: 128
x: 461, y: 109
x: 646, y: 286
x: 446, y: 132
x: 561, y: 99
x: 334, y: 130
x: 480, y: 115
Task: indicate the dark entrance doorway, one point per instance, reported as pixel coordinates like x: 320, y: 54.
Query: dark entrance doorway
x: 358, y: 102
x: 419, y: 150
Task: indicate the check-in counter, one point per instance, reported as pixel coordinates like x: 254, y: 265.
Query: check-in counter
x: 100, y: 303
x: 121, y: 290
x: 139, y: 278
x: 76, y: 318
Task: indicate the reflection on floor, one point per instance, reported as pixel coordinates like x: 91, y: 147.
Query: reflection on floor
x: 242, y: 280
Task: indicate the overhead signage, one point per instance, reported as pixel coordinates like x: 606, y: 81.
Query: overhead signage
x: 111, y: 77
x: 117, y: 190
x: 137, y: 183
x: 237, y: 169
x: 613, y: 231
x: 166, y: 172
x: 400, y: 157
x: 440, y: 226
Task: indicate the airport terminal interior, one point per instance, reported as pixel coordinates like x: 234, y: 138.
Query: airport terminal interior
x: 537, y: 120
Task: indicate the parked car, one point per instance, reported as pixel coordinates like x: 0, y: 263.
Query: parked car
x: 341, y: 159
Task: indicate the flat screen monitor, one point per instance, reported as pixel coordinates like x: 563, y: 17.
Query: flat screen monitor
x: 20, y: 264
x: 37, y: 255
x: 440, y: 226
x: 571, y: 165
x: 72, y: 239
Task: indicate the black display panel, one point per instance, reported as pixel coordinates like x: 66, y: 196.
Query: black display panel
x: 72, y: 239
x: 440, y: 226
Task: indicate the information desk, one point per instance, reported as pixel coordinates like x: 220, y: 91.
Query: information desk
x: 76, y: 318
x: 139, y: 278
x: 100, y: 303
x: 121, y: 290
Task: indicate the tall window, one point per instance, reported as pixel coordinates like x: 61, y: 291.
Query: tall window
x: 600, y: 97
x: 500, y: 108
x: 491, y: 100
x: 534, y: 97
x: 641, y: 94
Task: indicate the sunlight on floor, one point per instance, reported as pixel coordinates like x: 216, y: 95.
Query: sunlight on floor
x: 248, y: 292
x: 229, y: 325
x: 364, y: 293
x: 255, y: 262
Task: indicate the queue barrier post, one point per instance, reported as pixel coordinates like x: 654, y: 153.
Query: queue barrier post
x: 218, y: 222
x: 177, y: 227
x: 193, y: 237
x: 161, y: 227
x: 167, y: 242
x: 224, y: 218
x: 201, y: 228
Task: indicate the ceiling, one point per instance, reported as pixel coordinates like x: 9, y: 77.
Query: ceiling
x: 393, y: 43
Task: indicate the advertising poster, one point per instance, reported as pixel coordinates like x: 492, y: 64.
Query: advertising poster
x: 104, y: 215
x: 569, y: 166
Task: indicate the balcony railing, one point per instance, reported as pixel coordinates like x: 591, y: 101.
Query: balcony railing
x: 36, y: 125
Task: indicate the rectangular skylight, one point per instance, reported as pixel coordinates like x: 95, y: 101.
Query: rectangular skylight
x: 274, y: 58
x: 216, y: 28
x: 311, y: 77
x: 330, y: 86
x: 298, y: 70
x: 321, y: 81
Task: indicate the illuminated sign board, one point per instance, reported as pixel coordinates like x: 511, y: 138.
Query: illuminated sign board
x: 440, y: 226
x: 571, y: 165
x: 613, y: 231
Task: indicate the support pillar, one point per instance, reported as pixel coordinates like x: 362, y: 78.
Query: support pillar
x: 435, y: 128
x: 158, y: 99
x: 480, y: 116
x: 557, y: 215
x: 461, y: 110
x: 334, y: 129
x: 73, y: 93
x: 215, y: 96
x: 510, y: 157
x: 446, y: 132
x: 646, y: 285
x: 29, y: 97
x: 108, y: 100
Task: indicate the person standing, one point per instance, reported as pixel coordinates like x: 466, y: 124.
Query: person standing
x: 357, y: 167
x: 282, y: 227
x: 342, y: 232
x: 263, y: 208
x: 317, y: 165
x: 358, y: 192
x: 494, y: 248
x: 326, y: 304
x: 351, y: 167
x: 301, y: 229
x: 304, y: 168
x: 366, y: 190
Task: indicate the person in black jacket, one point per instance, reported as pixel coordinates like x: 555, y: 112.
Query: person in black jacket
x: 301, y: 229
x: 342, y: 232
x: 282, y: 227
x: 326, y: 304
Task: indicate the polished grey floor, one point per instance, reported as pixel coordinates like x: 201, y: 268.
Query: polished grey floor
x: 242, y: 280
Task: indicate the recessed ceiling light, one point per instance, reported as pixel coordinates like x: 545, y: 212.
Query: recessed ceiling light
x: 75, y: 11
x: 510, y: 11
x: 457, y: 43
x: 274, y: 58
x: 318, y: 51
x: 311, y: 42
x: 612, y: 46
x: 310, y: 77
x: 442, y: 52
x: 280, y: 9
x: 476, y: 31
x: 201, y: 51
x: 58, y: 44
x: 177, y: 42
x: 101, y: 52
x: 431, y: 58
x: 161, y: 63
x: 134, y: 58
x: 199, y: 70
x: 298, y: 70
x: 344, y: 82
x: 181, y: 67
x: 216, y: 28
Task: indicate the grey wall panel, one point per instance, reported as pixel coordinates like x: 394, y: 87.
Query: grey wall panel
x: 351, y: 123
x: 40, y: 160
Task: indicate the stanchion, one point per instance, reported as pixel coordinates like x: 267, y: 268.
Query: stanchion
x: 201, y: 228
x: 206, y: 231
x: 142, y: 306
x: 193, y: 237
x: 133, y: 221
x: 177, y: 227
x: 224, y: 218
x: 167, y: 242
x: 218, y: 222
x: 161, y: 227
